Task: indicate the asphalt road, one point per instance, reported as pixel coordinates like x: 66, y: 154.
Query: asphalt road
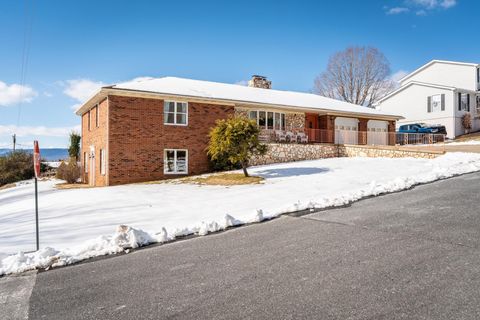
x: 408, y: 255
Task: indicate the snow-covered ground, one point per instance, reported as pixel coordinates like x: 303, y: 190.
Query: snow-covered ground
x: 77, y: 224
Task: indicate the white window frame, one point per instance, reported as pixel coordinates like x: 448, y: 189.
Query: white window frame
x: 97, y: 116
x: 175, y: 114
x: 438, y: 108
x: 85, y: 161
x: 463, y: 107
x: 266, y: 119
x: 174, y: 161
x: 103, y: 164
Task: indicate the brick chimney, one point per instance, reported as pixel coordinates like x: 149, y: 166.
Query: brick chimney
x: 260, y: 82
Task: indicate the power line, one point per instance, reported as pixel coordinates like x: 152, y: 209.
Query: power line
x: 25, y: 53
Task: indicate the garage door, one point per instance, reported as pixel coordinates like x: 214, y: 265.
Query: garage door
x: 377, y: 132
x: 346, y: 130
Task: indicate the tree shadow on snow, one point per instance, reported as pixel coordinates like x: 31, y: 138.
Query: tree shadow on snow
x: 290, y: 172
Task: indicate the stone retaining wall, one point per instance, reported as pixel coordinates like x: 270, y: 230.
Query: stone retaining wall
x: 285, y: 152
x: 384, y: 151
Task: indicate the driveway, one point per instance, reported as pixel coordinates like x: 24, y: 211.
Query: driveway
x: 408, y: 255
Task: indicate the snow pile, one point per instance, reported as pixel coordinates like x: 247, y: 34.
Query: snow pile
x: 123, y: 239
x: 72, y: 220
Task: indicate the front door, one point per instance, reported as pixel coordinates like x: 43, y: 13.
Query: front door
x: 91, y: 178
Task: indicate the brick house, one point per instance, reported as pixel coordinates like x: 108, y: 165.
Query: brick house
x: 152, y: 129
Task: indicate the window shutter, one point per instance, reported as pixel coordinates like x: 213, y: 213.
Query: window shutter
x: 429, y: 104
x: 443, y: 102
x: 459, y: 101
x: 468, y: 102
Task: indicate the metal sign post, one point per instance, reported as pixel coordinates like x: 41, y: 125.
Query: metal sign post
x: 36, y: 166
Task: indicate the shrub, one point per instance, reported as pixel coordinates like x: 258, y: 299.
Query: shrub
x: 235, y: 141
x: 467, y: 121
x: 16, y: 166
x: 68, y: 171
x: 74, y: 148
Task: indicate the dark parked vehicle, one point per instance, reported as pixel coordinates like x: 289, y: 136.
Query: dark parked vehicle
x: 422, y: 128
x: 420, y: 133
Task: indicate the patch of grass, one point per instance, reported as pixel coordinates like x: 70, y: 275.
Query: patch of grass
x: 65, y: 185
x: 216, y: 179
x: 468, y: 137
x: 225, y: 179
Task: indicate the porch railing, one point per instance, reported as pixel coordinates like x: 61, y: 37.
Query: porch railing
x: 349, y: 137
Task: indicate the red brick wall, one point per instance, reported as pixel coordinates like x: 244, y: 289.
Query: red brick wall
x: 362, y: 130
x: 96, y: 136
x: 138, y: 137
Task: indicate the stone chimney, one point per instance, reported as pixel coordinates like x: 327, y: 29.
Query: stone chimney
x: 260, y: 82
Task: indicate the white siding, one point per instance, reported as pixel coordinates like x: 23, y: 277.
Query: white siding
x: 447, y: 74
x: 411, y: 103
x: 459, y: 130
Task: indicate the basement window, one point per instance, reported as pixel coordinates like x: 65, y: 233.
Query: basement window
x: 176, y: 161
x: 175, y: 113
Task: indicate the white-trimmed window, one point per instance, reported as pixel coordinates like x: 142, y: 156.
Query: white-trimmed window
x: 175, y: 113
x: 103, y: 163
x: 89, y: 116
x: 97, y: 119
x: 175, y: 161
x: 463, y: 102
x: 85, y: 161
x: 268, y: 119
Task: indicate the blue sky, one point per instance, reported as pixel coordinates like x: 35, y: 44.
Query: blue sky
x: 76, y: 46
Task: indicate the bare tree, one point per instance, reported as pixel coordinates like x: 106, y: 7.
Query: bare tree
x: 358, y: 75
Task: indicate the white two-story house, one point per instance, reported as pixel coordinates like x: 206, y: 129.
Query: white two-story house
x: 440, y: 92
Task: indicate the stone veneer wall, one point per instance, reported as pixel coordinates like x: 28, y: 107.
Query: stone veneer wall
x: 384, y: 151
x: 287, y: 152
x: 295, y: 120
x: 241, y: 112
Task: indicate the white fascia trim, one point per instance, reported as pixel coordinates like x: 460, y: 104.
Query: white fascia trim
x: 437, y: 61
x: 423, y: 84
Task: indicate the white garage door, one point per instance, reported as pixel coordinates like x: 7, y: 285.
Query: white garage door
x: 346, y: 130
x: 377, y: 132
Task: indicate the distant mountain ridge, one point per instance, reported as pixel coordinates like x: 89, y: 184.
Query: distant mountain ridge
x: 50, y: 154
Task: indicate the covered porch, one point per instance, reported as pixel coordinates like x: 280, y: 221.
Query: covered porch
x: 331, y: 129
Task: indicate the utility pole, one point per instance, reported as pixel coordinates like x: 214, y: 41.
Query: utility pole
x: 14, y: 141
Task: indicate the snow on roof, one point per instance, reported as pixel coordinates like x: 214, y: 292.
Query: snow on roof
x: 239, y: 93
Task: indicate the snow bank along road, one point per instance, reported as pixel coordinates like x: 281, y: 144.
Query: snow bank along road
x: 408, y: 255
x: 82, y: 223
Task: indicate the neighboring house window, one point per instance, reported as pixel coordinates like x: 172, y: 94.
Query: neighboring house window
x: 436, y: 103
x: 175, y: 113
x: 89, y: 120
x: 478, y: 75
x: 463, y: 102
x: 478, y: 104
x: 85, y: 161
x: 97, y: 121
x: 102, y: 162
x: 268, y: 120
x: 176, y: 161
